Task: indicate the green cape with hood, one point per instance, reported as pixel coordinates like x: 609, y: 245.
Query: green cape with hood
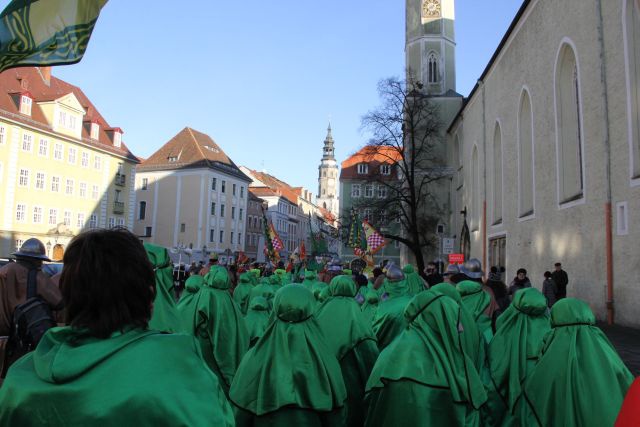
x: 514, y: 350
x: 415, y: 284
x: 349, y: 335
x: 389, y: 320
x: 579, y: 379
x: 290, y: 377
x: 242, y: 291
x: 136, y: 377
x: 215, y: 320
x: 476, y: 300
x: 310, y: 278
x: 257, y: 318
x: 424, y: 378
x: 165, y: 314
x: 191, y: 287
x: 264, y: 290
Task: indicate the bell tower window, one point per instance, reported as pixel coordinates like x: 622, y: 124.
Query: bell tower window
x: 432, y: 68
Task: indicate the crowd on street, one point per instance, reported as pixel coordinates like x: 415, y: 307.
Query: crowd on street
x: 303, y: 343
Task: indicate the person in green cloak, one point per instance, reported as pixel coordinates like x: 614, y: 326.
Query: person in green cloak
x: 415, y: 284
x: 242, y: 291
x: 263, y: 289
x: 255, y: 276
x: 290, y: 377
x: 477, y: 301
x: 349, y: 335
x: 275, y: 280
x: 165, y: 313
x: 320, y: 290
x: 579, y: 379
x: 370, y: 305
x: 107, y: 367
x: 424, y: 377
x: 191, y: 287
x: 310, y: 278
x: 514, y: 350
x: 389, y: 320
x: 217, y: 323
x: 257, y: 318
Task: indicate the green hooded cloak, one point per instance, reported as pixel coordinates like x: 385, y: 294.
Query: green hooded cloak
x: 415, y: 284
x: 242, y: 291
x: 165, y: 314
x: 389, y: 320
x: 514, y: 349
x: 191, y: 287
x: 310, y: 278
x: 424, y: 378
x: 264, y: 290
x: 215, y: 320
x: 257, y: 319
x: 476, y: 300
x: 290, y: 377
x: 370, y: 306
x: 349, y: 335
x: 320, y: 290
x: 136, y: 377
x: 579, y: 379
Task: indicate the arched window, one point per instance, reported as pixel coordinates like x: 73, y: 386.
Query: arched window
x: 497, y: 175
x: 525, y: 157
x: 475, y: 190
x: 455, y: 161
x: 569, y: 128
x: 432, y: 67
x: 632, y: 46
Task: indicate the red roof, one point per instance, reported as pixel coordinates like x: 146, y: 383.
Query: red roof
x: 374, y: 156
x: 275, y: 187
x: 30, y: 79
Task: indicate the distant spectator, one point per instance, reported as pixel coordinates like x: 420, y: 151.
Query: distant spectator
x: 213, y: 260
x: 521, y: 281
x: 499, y: 290
x: 431, y: 274
x: 549, y: 289
x: 449, y: 275
x: 561, y: 280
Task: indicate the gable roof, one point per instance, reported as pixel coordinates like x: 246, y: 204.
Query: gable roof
x: 31, y: 80
x: 273, y: 187
x: 374, y: 156
x: 190, y: 149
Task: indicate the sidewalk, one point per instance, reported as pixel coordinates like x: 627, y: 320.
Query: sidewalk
x: 627, y: 343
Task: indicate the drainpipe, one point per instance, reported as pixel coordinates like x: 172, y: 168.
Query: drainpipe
x: 607, y: 150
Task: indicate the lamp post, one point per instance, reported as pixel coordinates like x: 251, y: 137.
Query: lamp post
x: 48, y: 245
x: 204, y: 253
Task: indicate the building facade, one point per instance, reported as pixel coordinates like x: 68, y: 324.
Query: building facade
x: 362, y: 188
x: 191, y: 197
x: 63, y: 168
x: 254, y: 227
x: 546, y: 151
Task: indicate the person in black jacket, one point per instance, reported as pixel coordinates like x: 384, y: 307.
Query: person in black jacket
x: 561, y: 279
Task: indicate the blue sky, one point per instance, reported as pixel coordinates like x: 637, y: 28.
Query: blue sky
x: 261, y: 78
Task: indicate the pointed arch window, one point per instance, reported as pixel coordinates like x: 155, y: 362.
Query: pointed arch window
x: 569, y: 127
x: 525, y: 157
x: 475, y: 190
x: 497, y: 175
x: 433, y: 75
x: 632, y: 45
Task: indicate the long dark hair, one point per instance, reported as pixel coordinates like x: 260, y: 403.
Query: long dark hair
x: 107, y: 282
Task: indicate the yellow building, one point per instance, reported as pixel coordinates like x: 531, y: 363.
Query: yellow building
x: 63, y: 169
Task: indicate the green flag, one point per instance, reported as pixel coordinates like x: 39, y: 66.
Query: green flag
x: 46, y: 32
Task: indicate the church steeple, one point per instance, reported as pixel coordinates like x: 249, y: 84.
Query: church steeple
x: 328, y: 176
x: 430, y: 44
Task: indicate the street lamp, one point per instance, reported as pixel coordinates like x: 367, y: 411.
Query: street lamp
x: 48, y: 245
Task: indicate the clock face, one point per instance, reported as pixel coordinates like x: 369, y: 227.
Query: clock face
x: 431, y: 9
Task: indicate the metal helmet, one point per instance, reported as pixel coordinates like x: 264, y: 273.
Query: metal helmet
x: 394, y: 273
x: 472, y: 269
x: 32, y: 248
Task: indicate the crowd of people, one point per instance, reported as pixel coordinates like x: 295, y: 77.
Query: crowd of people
x: 312, y: 345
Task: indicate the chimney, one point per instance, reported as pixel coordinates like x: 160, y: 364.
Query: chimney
x: 46, y: 75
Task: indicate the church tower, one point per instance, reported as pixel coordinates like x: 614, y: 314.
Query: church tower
x: 328, y: 177
x: 430, y: 47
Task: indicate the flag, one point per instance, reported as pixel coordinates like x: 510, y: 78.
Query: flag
x: 269, y: 250
x: 242, y: 258
x: 317, y: 239
x: 46, y: 32
x: 375, y: 241
x: 356, y: 238
x: 303, y: 251
x: 275, y: 239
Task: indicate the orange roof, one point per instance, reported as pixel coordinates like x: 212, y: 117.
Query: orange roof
x: 275, y: 187
x: 374, y: 156
x: 191, y: 149
x: 30, y: 79
x: 328, y: 216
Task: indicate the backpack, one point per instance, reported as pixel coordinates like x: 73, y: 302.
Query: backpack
x: 31, y: 319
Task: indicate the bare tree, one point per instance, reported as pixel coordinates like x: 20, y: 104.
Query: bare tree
x: 406, y: 132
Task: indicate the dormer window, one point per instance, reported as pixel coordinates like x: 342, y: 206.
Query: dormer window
x: 95, y: 131
x: 117, y: 138
x: 172, y: 159
x: 25, y: 104
x: 363, y: 168
x: 385, y: 169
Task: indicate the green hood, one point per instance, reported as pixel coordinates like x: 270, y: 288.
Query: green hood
x: 257, y: 318
x: 415, y: 284
x: 218, y: 278
x: 192, y: 286
x: 396, y: 289
x: 429, y: 352
x: 290, y: 365
x: 579, y: 379
x: 514, y: 349
x: 165, y: 315
x: 342, y: 286
x: 476, y: 301
x: 262, y: 290
x: 242, y: 292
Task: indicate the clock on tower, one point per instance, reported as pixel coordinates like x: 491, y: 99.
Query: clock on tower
x: 431, y: 9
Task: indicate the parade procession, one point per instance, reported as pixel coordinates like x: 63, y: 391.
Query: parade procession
x: 471, y: 261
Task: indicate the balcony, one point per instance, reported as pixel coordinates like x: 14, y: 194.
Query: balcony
x: 121, y: 180
x: 118, y: 208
